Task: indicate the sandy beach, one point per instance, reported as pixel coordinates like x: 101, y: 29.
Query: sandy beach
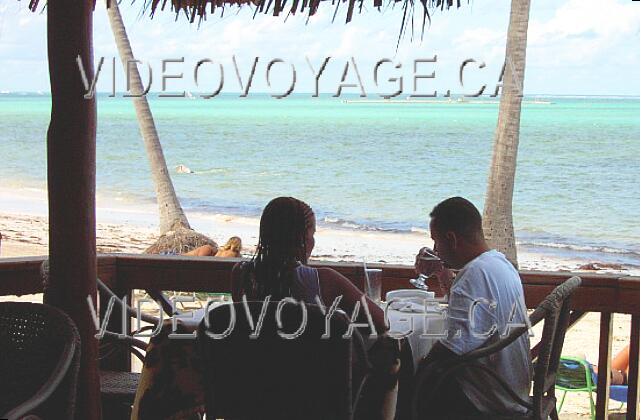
x: 26, y: 234
x: 131, y: 227
x: 132, y: 230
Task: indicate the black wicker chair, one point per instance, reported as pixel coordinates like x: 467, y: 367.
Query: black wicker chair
x: 118, y: 389
x: 554, y: 310
x: 39, y: 361
x: 275, y: 378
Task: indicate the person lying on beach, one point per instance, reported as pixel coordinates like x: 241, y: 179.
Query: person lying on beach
x: 619, y: 367
x: 279, y: 267
x: 485, y: 298
x: 231, y: 249
x: 201, y: 251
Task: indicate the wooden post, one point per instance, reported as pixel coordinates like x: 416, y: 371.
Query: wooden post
x: 633, y: 413
x: 604, y: 366
x: 71, y: 157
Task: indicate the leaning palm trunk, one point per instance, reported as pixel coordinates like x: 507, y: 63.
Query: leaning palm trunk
x: 175, y: 233
x: 498, y: 219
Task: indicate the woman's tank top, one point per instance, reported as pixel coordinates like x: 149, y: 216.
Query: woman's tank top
x: 305, y: 285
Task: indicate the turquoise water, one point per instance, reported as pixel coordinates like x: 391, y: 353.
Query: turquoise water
x: 367, y: 165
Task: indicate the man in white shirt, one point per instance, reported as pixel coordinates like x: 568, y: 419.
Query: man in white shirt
x: 486, y: 300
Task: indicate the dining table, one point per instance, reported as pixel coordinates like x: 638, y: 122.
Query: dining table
x: 170, y: 387
x: 422, y: 324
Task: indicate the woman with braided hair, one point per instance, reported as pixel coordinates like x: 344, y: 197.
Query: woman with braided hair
x: 279, y: 269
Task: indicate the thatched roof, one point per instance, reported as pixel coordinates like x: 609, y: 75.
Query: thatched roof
x: 200, y: 9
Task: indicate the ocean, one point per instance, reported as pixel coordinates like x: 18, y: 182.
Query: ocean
x: 366, y: 165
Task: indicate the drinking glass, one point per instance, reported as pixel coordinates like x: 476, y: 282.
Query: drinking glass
x: 432, y: 262
x: 420, y: 282
x: 373, y: 284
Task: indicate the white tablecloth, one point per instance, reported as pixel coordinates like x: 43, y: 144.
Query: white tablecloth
x: 422, y: 330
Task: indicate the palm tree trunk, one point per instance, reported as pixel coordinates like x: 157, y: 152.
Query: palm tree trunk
x: 171, y: 214
x: 498, y: 219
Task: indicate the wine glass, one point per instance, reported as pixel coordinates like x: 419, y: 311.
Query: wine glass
x: 426, y: 255
x: 420, y: 282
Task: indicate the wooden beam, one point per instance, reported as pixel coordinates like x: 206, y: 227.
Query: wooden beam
x: 604, y: 366
x: 633, y: 412
x: 21, y: 276
x: 598, y: 293
x: 189, y: 274
x: 71, y: 169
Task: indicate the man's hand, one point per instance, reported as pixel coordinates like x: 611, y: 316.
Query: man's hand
x: 445, y: 280
x: 427, y: 266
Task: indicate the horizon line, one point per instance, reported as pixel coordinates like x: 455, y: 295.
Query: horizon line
x: 120, y: 93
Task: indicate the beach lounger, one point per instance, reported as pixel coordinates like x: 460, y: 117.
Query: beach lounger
x: 577, y: 375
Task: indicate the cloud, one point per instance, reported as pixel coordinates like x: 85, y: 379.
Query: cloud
x: 582, y: 31
x: 573, y: 46
x: 578, y: 32
x: 481, y: 43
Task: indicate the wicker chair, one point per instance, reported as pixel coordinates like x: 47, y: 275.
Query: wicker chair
x: 40, y: 357
x: 274, y: 378
x: 554, y: 310
x: 118, y: 389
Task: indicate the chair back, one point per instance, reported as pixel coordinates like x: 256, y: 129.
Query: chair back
x: 40, y: 349
x: 574, y: 374
x: 288, y: 370
x: 554, y: 310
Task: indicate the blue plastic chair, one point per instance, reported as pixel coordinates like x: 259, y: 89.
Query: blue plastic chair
x: 619, y: 393
x: 616, y: 392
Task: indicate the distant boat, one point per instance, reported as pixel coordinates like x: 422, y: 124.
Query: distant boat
x: 189, y: 95
x: 4, y: 92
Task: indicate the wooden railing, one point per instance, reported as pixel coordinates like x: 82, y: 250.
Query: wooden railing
x: 606, y: 294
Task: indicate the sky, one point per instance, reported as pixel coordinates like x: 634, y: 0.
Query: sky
x: 575, y: 47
